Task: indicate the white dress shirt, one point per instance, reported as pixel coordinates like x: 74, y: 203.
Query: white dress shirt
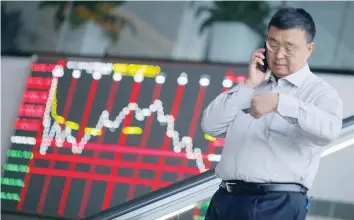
x: 284, y: 146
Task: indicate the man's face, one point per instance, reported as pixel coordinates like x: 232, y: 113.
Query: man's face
x: 291, y: 50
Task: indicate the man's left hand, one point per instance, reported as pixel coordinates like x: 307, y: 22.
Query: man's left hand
x: 263, y: 103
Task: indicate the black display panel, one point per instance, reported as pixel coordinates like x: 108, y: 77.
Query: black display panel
x: 93, y: 133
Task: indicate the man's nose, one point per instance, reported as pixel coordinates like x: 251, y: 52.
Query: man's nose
x: 280, y: 54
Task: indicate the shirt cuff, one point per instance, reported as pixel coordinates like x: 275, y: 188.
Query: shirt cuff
x: 288, y: 106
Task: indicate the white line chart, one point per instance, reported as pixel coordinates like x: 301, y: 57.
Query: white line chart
x: 61, y: 135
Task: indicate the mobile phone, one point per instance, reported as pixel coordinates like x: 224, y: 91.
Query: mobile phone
x: 264, y: 67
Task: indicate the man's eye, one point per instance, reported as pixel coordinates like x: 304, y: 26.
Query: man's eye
x: 289, y: 49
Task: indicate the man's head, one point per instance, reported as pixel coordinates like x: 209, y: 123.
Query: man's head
x: 290, y: 40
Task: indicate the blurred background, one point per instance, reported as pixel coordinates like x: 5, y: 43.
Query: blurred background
x: 213, y: 31
x: 192, y: 44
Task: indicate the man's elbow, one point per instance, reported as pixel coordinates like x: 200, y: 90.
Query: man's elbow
x: 207, y: 124
x: 208, y: 127
x: 326, y: 140
x: 331, y: 135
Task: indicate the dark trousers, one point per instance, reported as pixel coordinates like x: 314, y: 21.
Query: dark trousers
x: 272, y: 206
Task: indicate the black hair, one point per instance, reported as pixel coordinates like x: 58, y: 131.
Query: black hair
x: 289, y: 18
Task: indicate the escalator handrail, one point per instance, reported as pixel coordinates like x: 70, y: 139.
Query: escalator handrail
x: 153, y: 197
x: 348, y: 121
x: 168, y: 191
x: 30, y: 215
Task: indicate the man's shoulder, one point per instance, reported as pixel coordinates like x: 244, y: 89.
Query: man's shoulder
x: 319, y: 85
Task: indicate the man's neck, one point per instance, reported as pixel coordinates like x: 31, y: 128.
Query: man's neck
x: 275, y: 77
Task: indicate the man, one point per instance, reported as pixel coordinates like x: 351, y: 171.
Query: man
x: 275, y: 125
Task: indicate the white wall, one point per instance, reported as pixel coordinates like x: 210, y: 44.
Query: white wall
x: 14, y: 72
x: 335, y: 177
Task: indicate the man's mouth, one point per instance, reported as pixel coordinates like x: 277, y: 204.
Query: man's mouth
x: 279, y: 65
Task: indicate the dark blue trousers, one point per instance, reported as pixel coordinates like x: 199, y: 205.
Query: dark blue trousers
x: 272, y: 206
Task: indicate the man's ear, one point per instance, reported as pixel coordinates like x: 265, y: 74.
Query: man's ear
x: 310, y: 48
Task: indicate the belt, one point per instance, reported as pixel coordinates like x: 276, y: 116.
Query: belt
x: 241, y: 187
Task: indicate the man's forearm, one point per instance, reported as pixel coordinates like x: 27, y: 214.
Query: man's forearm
x: 223, y: 109
x: 322, y: 124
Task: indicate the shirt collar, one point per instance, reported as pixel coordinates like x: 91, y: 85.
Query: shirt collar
x: 295, y: 78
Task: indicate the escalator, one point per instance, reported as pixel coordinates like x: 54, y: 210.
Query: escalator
x: 189, y: 198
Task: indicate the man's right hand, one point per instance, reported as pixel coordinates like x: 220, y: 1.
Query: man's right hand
x: 255, y: 74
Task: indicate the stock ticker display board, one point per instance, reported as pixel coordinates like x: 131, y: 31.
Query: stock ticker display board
x: 92, y: 134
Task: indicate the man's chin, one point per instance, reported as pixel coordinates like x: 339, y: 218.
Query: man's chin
x: 280, y: 71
